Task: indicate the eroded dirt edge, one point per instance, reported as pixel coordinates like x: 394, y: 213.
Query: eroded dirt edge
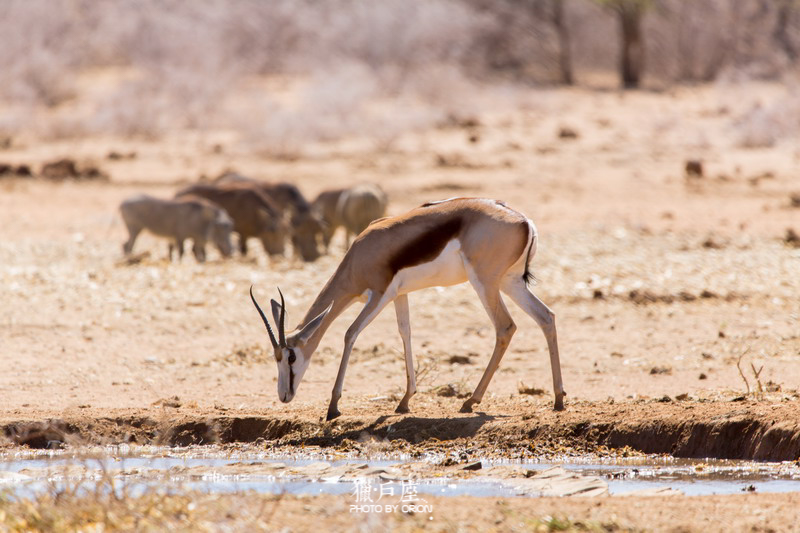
x: 723, y: 430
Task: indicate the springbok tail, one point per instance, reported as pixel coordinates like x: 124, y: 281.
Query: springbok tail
x: 527, y: 275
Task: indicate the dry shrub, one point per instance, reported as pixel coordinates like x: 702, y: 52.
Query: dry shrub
x: 351, y: 101
x: 762, y: 126
x: 41, y: 78
x: 373, y: 69
x: 109, y: 504
x: 757, y: 128
x: 693, y: 41
x: 38, y: 54
x: 68, y: 169
x: 522, y: 388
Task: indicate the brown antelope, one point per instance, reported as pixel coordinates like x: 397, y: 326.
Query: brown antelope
x: 438, y: 244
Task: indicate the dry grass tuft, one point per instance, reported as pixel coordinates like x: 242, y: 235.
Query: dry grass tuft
x: 108, y: 505
x: 522, y: 388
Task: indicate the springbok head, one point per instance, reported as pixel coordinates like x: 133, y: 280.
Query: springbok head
x: 292, y: 351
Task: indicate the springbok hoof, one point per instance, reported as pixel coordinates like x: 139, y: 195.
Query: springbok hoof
x: 559, y: 404
x: 467, y: 407
x: 332, y: 413
x: 402, y: 409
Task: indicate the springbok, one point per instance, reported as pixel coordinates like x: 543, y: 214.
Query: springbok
x: 437, y: 244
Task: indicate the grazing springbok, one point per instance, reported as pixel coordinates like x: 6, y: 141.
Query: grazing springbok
x: 438, y: 244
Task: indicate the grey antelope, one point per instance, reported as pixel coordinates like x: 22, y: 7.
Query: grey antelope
x: 437, y: 244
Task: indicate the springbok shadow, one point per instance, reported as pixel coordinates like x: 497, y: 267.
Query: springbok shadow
x: 412, y: 429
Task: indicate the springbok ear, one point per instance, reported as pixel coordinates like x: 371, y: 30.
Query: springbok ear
x: 276, y: 312
x: 309, y: 329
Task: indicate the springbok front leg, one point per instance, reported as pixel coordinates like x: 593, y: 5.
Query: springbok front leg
x: 404, y: 326
x: 504, y: 329
x: 546, y: 319
x: 375, y: 303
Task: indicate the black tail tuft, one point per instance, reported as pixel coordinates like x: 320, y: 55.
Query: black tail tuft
x: 529, y: 278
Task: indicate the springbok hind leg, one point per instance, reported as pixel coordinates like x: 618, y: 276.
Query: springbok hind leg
x: 504, y: 330
x: 404, y: 326
x: 546, y: 319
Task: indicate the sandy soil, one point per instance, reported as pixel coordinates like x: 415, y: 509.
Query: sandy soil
x: 760, y: 512
x: 194, y: 511
x: 660, y: 282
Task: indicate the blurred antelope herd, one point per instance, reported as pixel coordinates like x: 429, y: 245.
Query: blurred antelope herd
x: 272, y: 212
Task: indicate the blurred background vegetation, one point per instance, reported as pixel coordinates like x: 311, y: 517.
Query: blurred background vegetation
x: 291, y: 70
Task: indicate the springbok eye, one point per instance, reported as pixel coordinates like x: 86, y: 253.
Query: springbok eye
x: 292, y: 357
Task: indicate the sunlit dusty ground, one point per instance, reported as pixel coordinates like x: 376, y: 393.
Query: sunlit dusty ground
x: 660, y: 282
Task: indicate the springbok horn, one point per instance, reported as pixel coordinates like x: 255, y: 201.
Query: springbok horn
x: 281, y: 322
x: 264, y: 318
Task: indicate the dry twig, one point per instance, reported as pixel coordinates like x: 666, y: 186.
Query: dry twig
x: 742, y: 373
x: 757, y: 373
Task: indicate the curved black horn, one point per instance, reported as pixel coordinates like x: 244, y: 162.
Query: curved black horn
x: 281, y: 322
x: 264, y: 318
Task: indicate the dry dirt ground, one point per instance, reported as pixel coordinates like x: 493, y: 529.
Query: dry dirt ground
x: 661, y: 284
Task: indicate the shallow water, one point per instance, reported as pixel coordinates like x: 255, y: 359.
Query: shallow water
x: 213, y: 469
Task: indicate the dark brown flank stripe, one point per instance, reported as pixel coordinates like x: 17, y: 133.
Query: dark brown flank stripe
x: 426, y: 246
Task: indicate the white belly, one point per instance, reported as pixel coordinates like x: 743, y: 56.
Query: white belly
x: 446, y: 269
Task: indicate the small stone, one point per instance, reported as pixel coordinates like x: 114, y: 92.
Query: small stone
x: 566, y: 132
x: 694, y: 168
x: 792, y: 238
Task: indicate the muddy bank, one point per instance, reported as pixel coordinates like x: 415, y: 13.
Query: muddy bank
x: 723, y: 429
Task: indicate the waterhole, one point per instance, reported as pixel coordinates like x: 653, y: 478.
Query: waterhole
x: 377, y: 479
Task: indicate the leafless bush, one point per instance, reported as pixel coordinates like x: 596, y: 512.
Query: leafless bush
x: 696, y: 41
x: 762, y: 126
x: 363, y: 68
x: 44, y: 45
